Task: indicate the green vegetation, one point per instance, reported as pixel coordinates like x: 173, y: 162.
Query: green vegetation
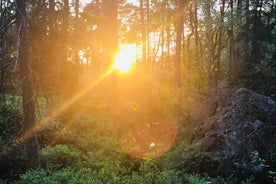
x: 76, y: 108
x: 85, y: 156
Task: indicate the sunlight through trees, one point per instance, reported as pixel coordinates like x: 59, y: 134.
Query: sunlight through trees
x: 116, y: 89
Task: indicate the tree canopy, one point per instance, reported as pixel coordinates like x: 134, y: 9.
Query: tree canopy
x: 125, y: 81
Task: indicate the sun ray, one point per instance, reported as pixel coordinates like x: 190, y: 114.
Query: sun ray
x: 15, y: 142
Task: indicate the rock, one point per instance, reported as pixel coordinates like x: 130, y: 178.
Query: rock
x: 244, y: 125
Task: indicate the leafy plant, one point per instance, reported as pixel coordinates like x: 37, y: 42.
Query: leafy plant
x: 187, y: 158
x: 48, y: 133
x: 260, y: 166
x: 59, y: 156
x: 66, y: 175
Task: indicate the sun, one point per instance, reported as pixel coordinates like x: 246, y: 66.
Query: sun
x: 125, y: 58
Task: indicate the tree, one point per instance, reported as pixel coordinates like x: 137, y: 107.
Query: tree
x: 110, y: 24
x: 179, y: 32
x: 29, y: 121
x: 143, y: 31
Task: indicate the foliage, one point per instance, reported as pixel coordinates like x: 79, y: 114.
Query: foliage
x: 84, y: 175
x: 66, y: 175
x: 205, y: 179
x: 48, y: 132
x: 10, y: 118
x: 187, y: 158
x: 12, y: 155
x: 59, y: 156
x: 225, y: 43
x: 265, y: 172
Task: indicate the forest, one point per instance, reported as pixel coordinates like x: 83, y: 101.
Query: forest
x: 137, y: 91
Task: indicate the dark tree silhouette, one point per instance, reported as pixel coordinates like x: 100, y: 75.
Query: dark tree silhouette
x: 29, y: 121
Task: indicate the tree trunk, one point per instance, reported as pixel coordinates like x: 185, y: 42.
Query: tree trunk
x: 197, y: 40
x: 110, y: 24
x: 168, y: 40
x: 148, y: 33
x: 219, y: 47
x: 143, y: 32
x: 179, y: 31
x: 29, y: 121
x: 231, y: 40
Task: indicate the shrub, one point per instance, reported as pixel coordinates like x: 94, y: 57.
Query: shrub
x: 12, y: 155
x: 65, y: 175
x: 59, y: 156
x: 11, y: 119
x: 169, y: 176
x: 48, y: 133
x: 187, y: 158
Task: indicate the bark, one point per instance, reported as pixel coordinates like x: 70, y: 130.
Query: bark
x: 148, y: 32
x: 219, y: 46
x: 247, y: 30
x: 168, y: 40
x: 110, y: 24
x: 197, y: 39
x: 77, y: 60
x: 179, y: 32
x: 231, y: 40
x: 209, y: 37
x: 29, y: 121
x: 52, y: 5
x: 143, y: 32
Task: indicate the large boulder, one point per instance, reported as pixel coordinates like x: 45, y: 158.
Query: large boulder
x: 241, y: 135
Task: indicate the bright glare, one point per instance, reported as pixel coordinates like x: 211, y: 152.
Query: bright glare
x: 125, y: 58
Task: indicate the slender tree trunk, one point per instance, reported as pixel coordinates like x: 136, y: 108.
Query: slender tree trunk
x: 110, y: 46
x: 52, y: 51
x: 110, y: 24
x: 219, y: 46
x: 66, y: 25
x: 77, y: 59
x: 29, y: 121
x: 162, y: 47
x: 148, y: 32
x: 98, y: 40
x: 192, y: 28
x: 52, y: 5
x: 143, y: 32
x: 209, y: 35
x: 197, y: 39
x: 247, y: 30
x: 179, y: 32
x: 77, y: 3
x: 231, y: 40
x: 210, y: 44
x: 163, y: 27
x: 168, y: 40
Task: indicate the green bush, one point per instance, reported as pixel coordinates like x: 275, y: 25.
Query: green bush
x: 169, y: 176
x: 87, y: 176
x: 11, y: 119
x: 12, y: 150
x: 164, y: 177
x: 198, y: 179
x: 60, y: 156
x: 48, y: 133
x: 66, y: 175
x: 187, y: 158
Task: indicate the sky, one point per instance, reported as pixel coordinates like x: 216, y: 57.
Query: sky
x: 136, y: 2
